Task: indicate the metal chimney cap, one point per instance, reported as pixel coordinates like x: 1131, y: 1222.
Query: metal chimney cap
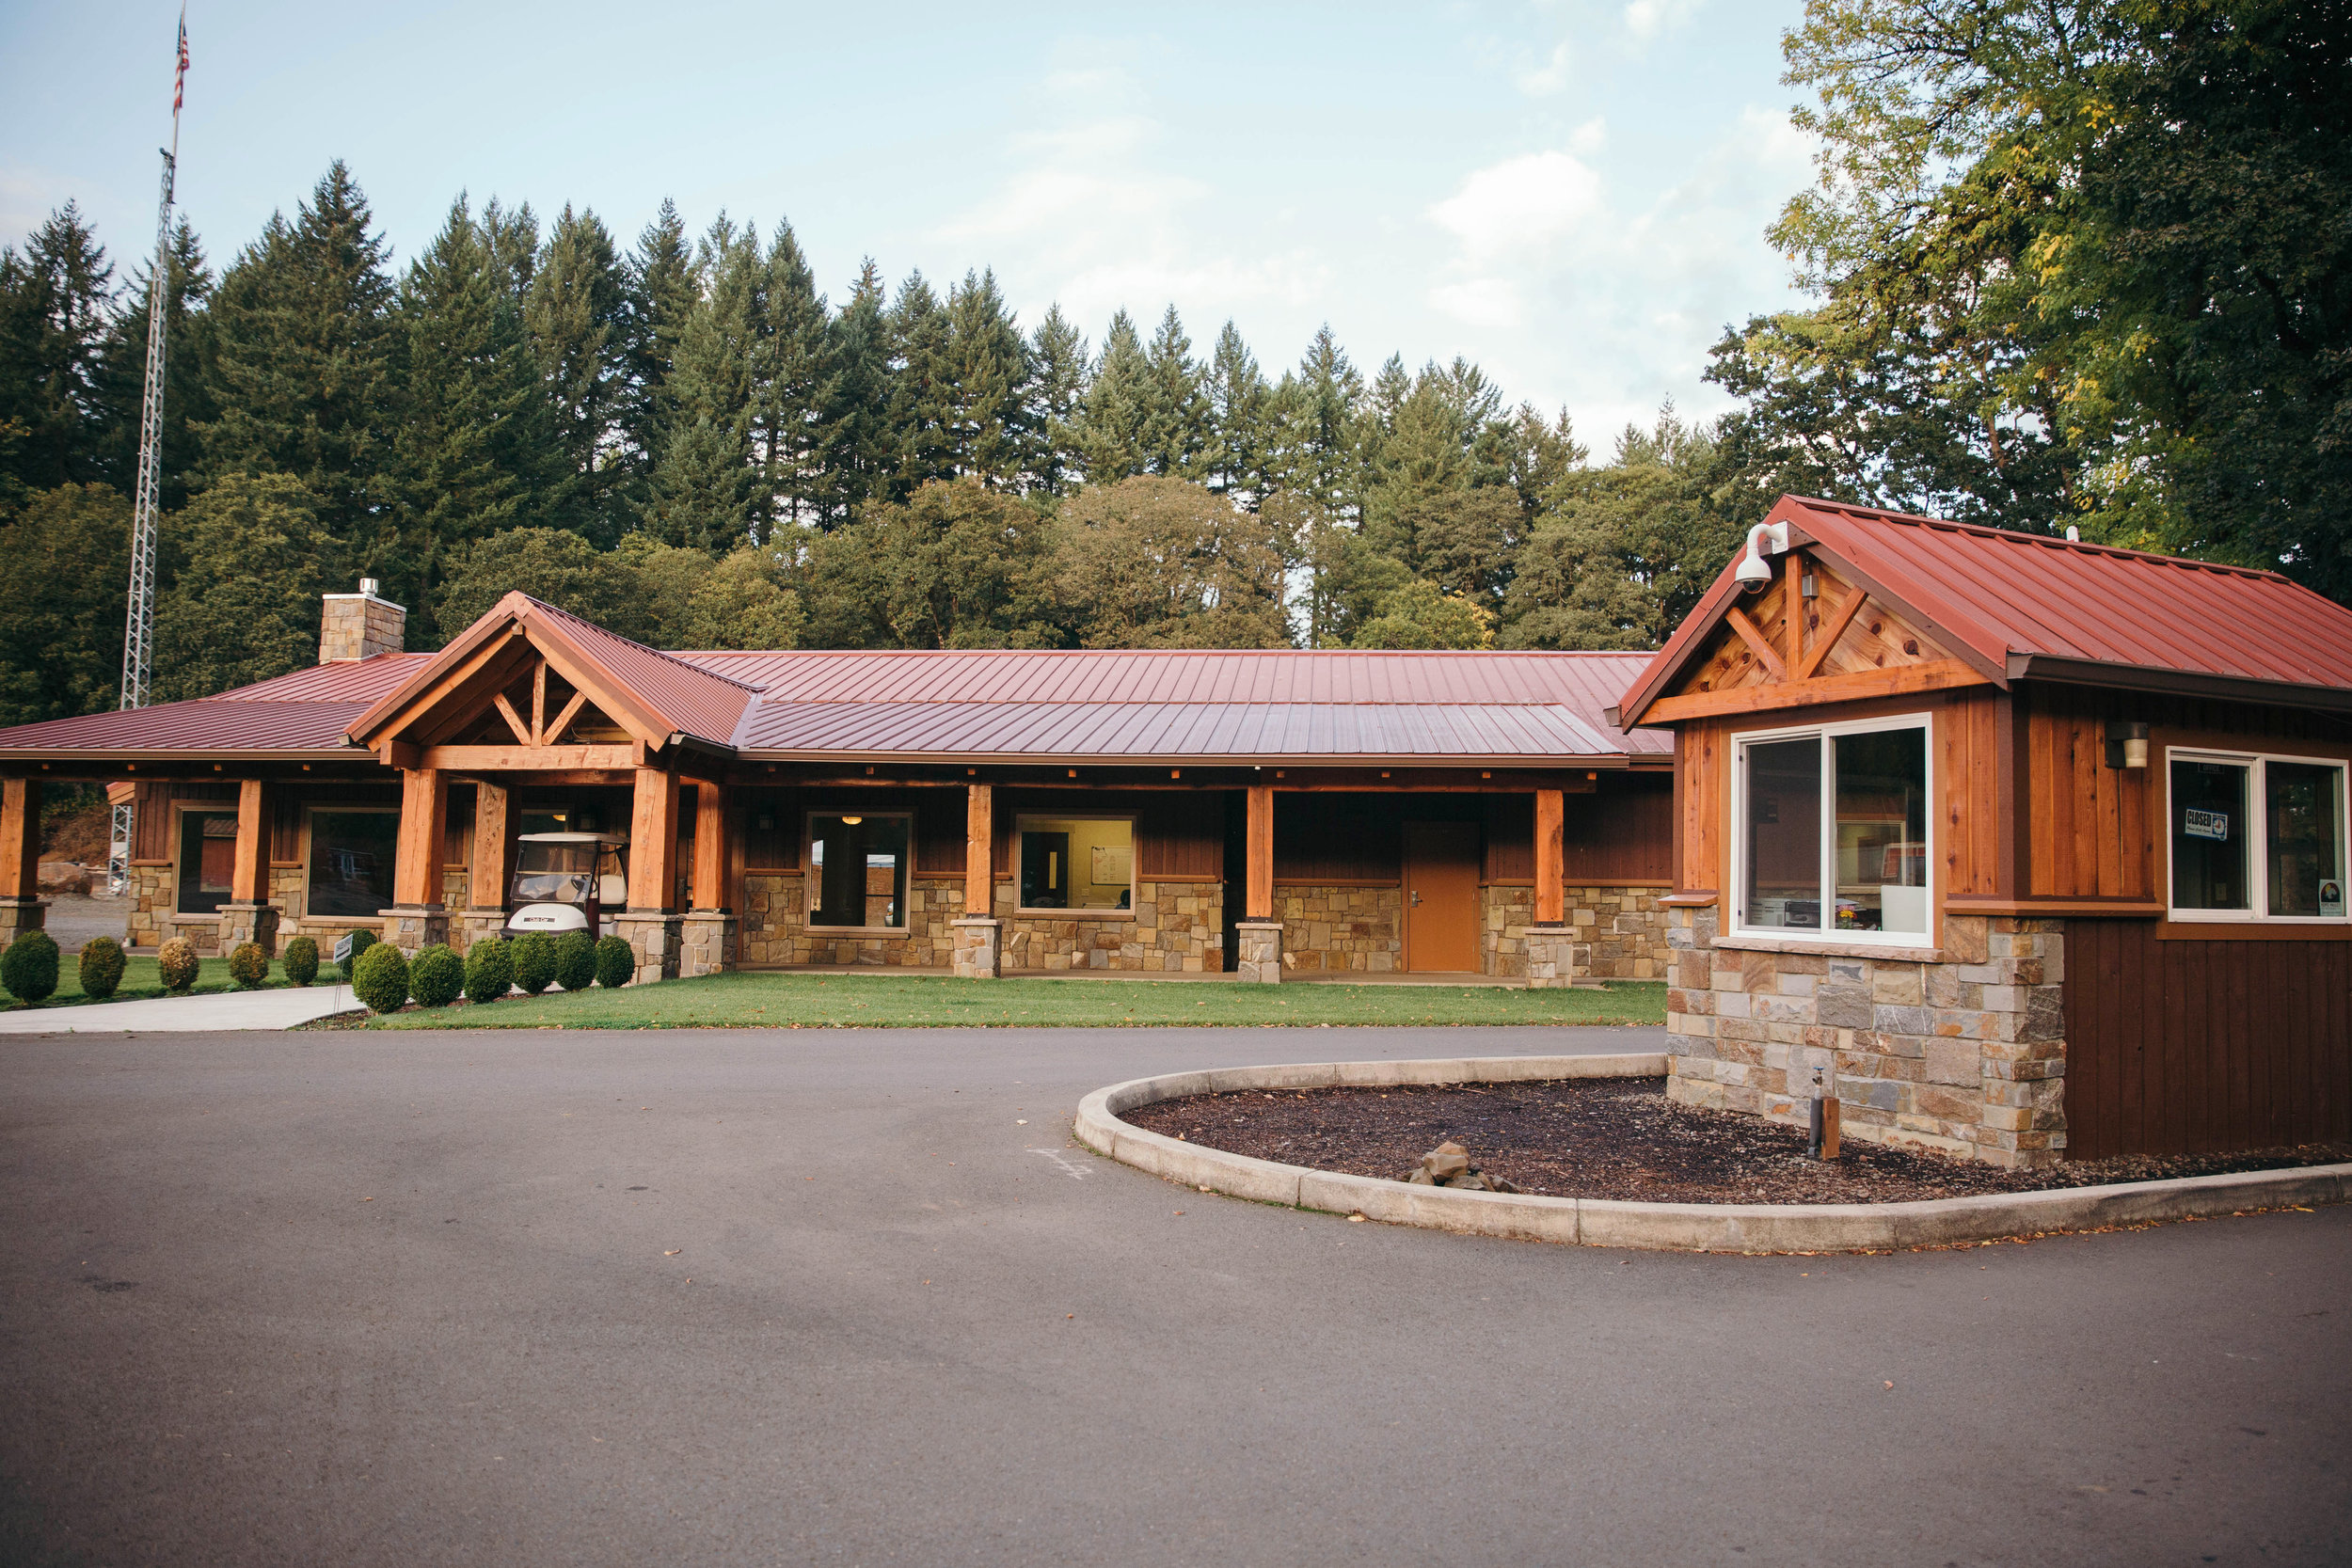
x: 367, y: 586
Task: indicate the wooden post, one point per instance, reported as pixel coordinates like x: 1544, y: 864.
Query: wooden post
x: 979, y: 850
x: 710, y: 846
x: 1793, y: 590
x: 20, y: 838
x: 494, y: 829
x: 423, y: 831
x: 653, y: 842
x: 1258, y: 902
x: 1550, y: 872
x: 249, y: 879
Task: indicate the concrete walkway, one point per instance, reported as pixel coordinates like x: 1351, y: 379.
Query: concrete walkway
x: 173, y: 1015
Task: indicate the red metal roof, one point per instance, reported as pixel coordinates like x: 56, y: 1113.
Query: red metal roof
x: 206, y: 725
x: 360, y: 680
x: 2022, y: 605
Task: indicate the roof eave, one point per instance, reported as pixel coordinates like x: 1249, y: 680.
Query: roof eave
x: 2184, y: 683
x: 1180, y: 759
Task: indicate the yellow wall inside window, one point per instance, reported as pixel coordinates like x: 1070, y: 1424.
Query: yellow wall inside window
x: 1086, y: 834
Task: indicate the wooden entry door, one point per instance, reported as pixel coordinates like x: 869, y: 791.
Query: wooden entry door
x: 1442, y: 898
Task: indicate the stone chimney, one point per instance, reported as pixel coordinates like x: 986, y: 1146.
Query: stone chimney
x: 361, y: 625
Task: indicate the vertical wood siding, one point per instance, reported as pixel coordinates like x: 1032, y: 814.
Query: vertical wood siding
x: 1621, y: 833
x: 2198, y: 1046
x: 1968, y: 745
x: 2092, y: 825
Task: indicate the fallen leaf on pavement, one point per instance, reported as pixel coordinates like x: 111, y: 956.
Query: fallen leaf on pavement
x: 676, y: 1250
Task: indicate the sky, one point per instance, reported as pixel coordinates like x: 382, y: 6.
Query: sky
x: 1571, y: 193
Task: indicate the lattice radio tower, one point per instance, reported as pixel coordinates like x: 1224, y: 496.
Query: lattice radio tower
x: 139, y: 625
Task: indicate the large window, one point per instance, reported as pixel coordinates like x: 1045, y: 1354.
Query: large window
x: 1077, y: 863
x: 2255, y: 837
x: 857, y: 870
x: 208, y: 858
x: 1833, y: 831
x: 351, y: 854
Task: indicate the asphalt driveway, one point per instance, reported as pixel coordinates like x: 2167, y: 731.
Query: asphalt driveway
x: 836, y: 1296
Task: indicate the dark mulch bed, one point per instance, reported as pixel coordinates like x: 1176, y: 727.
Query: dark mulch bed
x: 1623, y: 1138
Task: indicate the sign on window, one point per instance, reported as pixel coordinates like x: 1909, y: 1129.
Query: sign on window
x: 2213, y: 825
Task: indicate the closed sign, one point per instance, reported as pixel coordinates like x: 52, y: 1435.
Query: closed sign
x: 2206, y: 824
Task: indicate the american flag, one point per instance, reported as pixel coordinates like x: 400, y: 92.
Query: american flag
x: 180, y: 77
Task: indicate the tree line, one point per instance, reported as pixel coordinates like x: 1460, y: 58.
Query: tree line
x: 2076, y: 264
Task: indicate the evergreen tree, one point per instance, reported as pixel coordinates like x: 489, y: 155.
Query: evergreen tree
x: 661, y: 294
x: 1112, y: 432
x: 1320, y: 430
x: 788, y: 412
x: 987, y: 385
x: 476, y: 450
x: 1175, y: 411
x: 1058, y: 389
x: 921, y: 397
x: 187, y: 373
x: 56, y: 311
x: 859, y: 459
x: 577, y: 316
x: 512, y: 239
x: 305, y: 366
x: 1239, y: 435
x: 255, y: 556
x: 703, y: 492
x: 68, y: 555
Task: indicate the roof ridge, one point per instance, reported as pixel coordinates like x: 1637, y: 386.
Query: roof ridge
x: 630, y: 642
x: 2013, y: 535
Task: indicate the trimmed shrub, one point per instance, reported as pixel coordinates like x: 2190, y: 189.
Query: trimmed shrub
x: 489, y: 970
x: 360, y: 941
x: 301, y: 960
x: 380, y: 978
x: 176, y: 960
x: 436, y: 975
x: 534, y: 956
x: 101, y: 967
x: 249, y: 965
x: 616, y: 963
x: 29, y: 968
x: 575, y: 960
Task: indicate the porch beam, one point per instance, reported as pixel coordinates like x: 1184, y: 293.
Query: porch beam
x: 979, y: 850
x: 1258, y: 902
x: 424, y: 826
x: 527, y: 759
x: 1551, y: 878
x: 248, y: 877
x: 653, y: 842
x: 711, y: 817
x: 20, y: 838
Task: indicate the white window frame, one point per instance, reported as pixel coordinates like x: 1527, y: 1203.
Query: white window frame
x: 1828, y: 934
x: 2258, y: 836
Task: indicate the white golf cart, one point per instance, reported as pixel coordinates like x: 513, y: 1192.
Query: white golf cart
x: 567, y: 883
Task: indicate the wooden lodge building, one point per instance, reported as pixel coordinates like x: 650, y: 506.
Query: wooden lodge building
x: 1263, y: 814
x: 2019, y: 848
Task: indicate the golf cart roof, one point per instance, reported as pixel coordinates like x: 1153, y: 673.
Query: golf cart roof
x: 616, y: 840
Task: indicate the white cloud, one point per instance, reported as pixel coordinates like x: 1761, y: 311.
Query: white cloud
x: 1538, y: 81
x: 1520, y: 204
x: 1647, y: 18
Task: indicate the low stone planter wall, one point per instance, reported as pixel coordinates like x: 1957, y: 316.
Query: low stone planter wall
x: 1676, y: 1226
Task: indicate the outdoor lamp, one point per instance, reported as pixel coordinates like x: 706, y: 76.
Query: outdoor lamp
x: 853, y: 821
x: 2127, y: 743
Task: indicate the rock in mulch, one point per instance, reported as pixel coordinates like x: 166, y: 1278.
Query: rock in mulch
x: 1623, y: 1138
x: 1447, y: 1166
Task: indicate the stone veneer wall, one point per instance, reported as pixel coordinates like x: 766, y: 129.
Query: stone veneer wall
x: 1341, y: 927
x: 1965, y: 1054
x: 153, y: 891
x: 1505, y: 914
x: 1177, y: 928
x: 1626, y: 929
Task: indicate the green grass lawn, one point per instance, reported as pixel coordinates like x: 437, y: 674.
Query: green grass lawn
x: 776, y: 1000
x: 140, y: 981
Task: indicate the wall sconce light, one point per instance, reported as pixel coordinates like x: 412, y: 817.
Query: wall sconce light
x: 765, y: 822
x: 2127, y: 743
x: 851, y: 821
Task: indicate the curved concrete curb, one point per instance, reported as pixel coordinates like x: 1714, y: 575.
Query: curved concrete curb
x: 1678, y: 1227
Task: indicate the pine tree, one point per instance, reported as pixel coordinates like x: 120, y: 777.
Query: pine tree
x: 987, y: 384
x: 1176, y: 411
x: 1112, y: 437
x: 306, y: 362
x: 787, y: 418
x: 1058, y: 389
x: 244, y: 606
x: 661, y: 295
x: 921, y: 396
x: 1320, y: 429
x: 513, y: 241
x: 575, y: 313
x: 55, y: 309
x: 858, y: 456
x: 476, y: 450
x: 68, y: 554
x: 1240, y: 410
x: 704, y: 491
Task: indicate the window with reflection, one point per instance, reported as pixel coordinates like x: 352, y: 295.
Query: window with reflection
x: 857, y: 869
x: 1834, y: 830
x: 208, y: 858
x: 2255, y: 837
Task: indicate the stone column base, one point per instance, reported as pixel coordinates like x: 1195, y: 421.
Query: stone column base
x: 254, y: 923
x: 705, y: 942
x: 21, y: 914
x: 654, y: 934
x: 1556, y: 958
x: 481, y: 924
x: 414, y: 927
x: 979, y: 947
x: 1261, y: 945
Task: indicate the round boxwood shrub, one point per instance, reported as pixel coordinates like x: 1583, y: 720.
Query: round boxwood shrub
x: 575, y: 960
x: 101, y: 967
x: 176, y: 961
x: 436, y: 975
x: 380, y: 978
x: 534, y: 961
x: 249, y: 965
x: 301, y: 961
x: 489, y: 970
x: 29, y: 968
x: 616, y: 963
x: 360, y: 941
